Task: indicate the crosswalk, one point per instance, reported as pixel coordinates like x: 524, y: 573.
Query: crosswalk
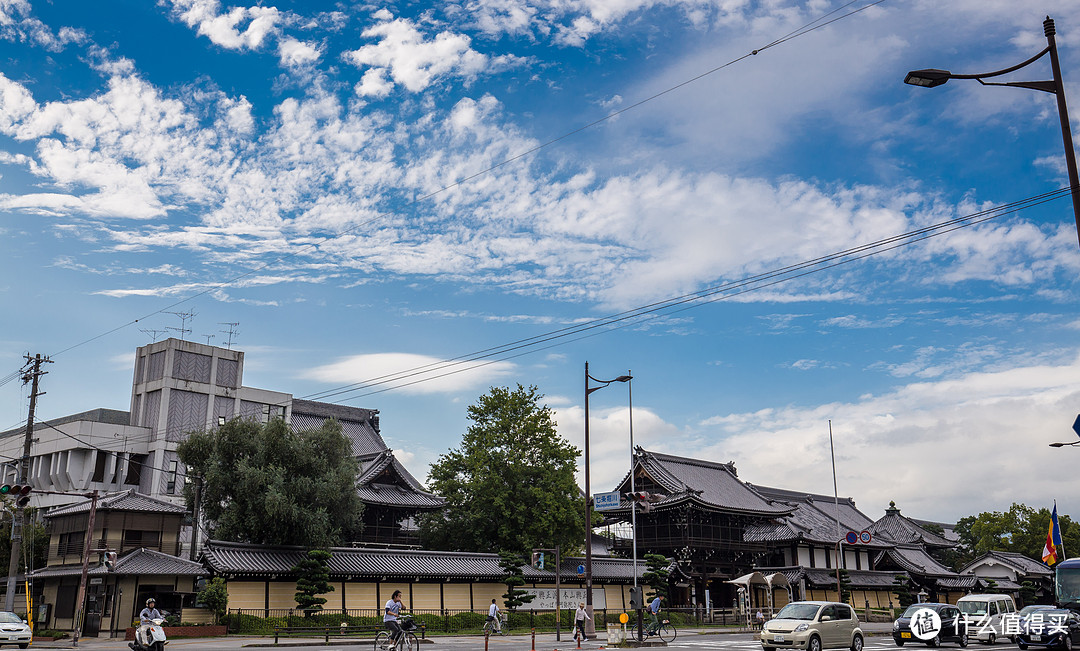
x: 725, y: 643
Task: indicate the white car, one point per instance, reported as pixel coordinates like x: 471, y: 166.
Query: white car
x: 813, y: 626
x: 14, y: 630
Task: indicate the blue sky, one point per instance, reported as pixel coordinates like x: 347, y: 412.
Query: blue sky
x: 370, y: 188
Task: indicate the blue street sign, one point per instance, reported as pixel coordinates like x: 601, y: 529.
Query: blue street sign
x: 606, y: 501
x: 1076, y: 425
x: 580, y: 569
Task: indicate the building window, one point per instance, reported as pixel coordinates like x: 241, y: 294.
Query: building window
x: 99, y: 466
x: 134, y: 470
x: 170, y: 486
x: 71, y: 544
x: 139, y: 538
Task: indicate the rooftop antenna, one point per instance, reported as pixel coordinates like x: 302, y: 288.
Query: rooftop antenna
x: 153, y: 334
x: 230, y: 332
x: 208, y: 338
x: 184, y: 318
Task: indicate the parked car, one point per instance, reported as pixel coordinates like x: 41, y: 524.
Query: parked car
x: 14, y: 630
x: 1050, y: 627
x: 813, y: 626
x: 985, y: 615
x: 953, y: 626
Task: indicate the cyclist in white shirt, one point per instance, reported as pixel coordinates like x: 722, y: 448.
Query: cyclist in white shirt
x: 390, y: 615
x: 493, y: 617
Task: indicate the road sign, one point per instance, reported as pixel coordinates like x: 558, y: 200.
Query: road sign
x: 1076, y: 425
x: 865, y: 537
x: 581, y: 569
x: 606, y: 501
x: 851, y: 537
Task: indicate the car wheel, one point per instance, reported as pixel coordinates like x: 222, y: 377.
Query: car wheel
x: 1023, y: 647
x: 857, y: 643
x: 768, y: 648
x: 963, y: 640
x: 990, y: 639
x: 814, y: 644
x: 1066, y: 642
x: 899, y: 642
x: 934, y: 641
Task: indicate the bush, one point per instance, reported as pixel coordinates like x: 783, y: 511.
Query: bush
x: 467, y: 621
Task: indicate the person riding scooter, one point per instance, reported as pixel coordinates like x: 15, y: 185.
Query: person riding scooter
x: 150, y: 616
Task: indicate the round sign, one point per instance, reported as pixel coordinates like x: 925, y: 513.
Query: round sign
x: 580, y: 569
x: 852, y: 537
x: 865, y: 537
x: 623, y: 618
x: 925, y: 624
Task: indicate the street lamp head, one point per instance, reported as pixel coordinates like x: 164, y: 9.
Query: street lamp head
x: 624, y: 378
x: 1062, y: 445
x: 927, y: 78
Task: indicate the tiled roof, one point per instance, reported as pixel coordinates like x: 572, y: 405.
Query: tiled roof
x: 904, y: 530
x: 141, y: 562
x: 1022, y: 564
x: 127, y: 500
x: 917, y: 561
x: 999, y: 584
x: 814, y: 519
x: 820, y: 577
x: 948, y: 528
x: 384, y: 481
x: 359, y: 425
x: 958, y: 582
x: 239, y: 559
x: 709, y: 484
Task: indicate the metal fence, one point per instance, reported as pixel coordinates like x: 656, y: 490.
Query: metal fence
x: 263, y: 621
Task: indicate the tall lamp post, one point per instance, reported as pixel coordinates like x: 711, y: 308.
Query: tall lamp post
x: 588, y: 490
x: 933, y: 77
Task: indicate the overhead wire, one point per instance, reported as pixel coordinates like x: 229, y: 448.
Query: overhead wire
x: 697, y: 296
x: 802, y: 31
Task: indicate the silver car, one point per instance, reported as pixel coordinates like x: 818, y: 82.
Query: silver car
x: 813, y: 626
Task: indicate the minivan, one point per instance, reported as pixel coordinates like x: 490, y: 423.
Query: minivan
x: 985, y: 614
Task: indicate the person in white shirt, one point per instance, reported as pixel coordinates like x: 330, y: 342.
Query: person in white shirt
x: 579, y: 621
x: 390, y: 615
x: 493, y: 617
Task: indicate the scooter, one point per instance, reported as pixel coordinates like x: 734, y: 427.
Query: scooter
x: 150, y: 638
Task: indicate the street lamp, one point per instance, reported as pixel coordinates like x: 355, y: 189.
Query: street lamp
x: 934, y: 77
x: 588, y: 493
x: 1061, y: 445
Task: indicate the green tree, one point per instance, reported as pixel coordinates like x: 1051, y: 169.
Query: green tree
x: 511, y: 563
x: 313, y: 580
x: 35, y: 545
x: 264, y: 483
x: 1027, y: 593
x: 656, y: 576
x: 215, y: 596
x: 845, y: 586
x: 902, y: 588
x: 1021, y: 529
x: 510, y: 485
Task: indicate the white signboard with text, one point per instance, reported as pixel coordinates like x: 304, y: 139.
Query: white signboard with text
x: 571, y: 597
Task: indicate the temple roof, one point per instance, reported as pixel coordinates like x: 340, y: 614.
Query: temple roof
x: 1018, y: 562
x: 361, y: 426
x: 384, y: 481
x: 813, y: 520
x: 241, y: 559
x: 708, y: 484
x: 141, y: 562
x: 904, y: 530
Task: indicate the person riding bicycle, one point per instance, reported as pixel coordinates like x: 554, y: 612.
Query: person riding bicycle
x: 654, y: 611
x: 493, y: 617
x: 390, y: 616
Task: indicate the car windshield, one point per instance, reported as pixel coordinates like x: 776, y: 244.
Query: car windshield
x: 972, y: 607
x: 1027, y: 610
x: 912, y: 609
x: 798, y: 611
x: 10, y: 618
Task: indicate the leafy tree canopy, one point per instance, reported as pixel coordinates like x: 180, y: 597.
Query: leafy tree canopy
x: 35, y: 544
x: 510, y: 485
x: 215, y: 596
x: 264, y: 483
x: 1021, y: 529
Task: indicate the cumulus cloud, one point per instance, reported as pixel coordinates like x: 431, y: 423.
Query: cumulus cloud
x: 405, y: 55
x: 236, y: 28
x: 410, y: 373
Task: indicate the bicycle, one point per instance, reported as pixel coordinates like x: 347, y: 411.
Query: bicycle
x: 406, y: 641
x: 489, y: 625
x: 666, y: 631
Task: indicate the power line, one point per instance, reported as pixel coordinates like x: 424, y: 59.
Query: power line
x: 802, y: 31
x: 700, y: 297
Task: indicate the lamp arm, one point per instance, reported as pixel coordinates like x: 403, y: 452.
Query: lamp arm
x: 998, y: 73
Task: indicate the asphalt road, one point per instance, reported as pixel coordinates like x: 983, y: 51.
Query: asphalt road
x: 546, y: 642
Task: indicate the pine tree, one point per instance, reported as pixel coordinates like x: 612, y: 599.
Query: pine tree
x: 511, y: 563
x: 313, y: 580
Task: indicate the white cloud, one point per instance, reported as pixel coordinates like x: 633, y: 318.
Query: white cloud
x: 431, y: 374
x: 408, y: 58
x: 237, y: 28
x: 294, y: 53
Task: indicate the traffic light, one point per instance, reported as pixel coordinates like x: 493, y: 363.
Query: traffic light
x: 110, y: 561
x: 20, y: 492
x: 641, y: 498
x: 635, y: 598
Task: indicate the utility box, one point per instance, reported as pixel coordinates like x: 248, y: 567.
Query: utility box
x: 615, y: 633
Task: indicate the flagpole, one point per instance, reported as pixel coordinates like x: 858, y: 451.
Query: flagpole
x: 1057, y: 528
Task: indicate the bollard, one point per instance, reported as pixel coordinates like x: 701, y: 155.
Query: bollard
x: 533, y: 640
x: 487, y: 635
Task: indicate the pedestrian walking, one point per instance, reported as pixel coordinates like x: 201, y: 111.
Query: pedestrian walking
x: 580, y: 616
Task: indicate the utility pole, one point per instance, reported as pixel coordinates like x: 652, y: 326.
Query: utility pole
x: 88, y: 546
x: 19, y: 522
x: 195, y: 516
